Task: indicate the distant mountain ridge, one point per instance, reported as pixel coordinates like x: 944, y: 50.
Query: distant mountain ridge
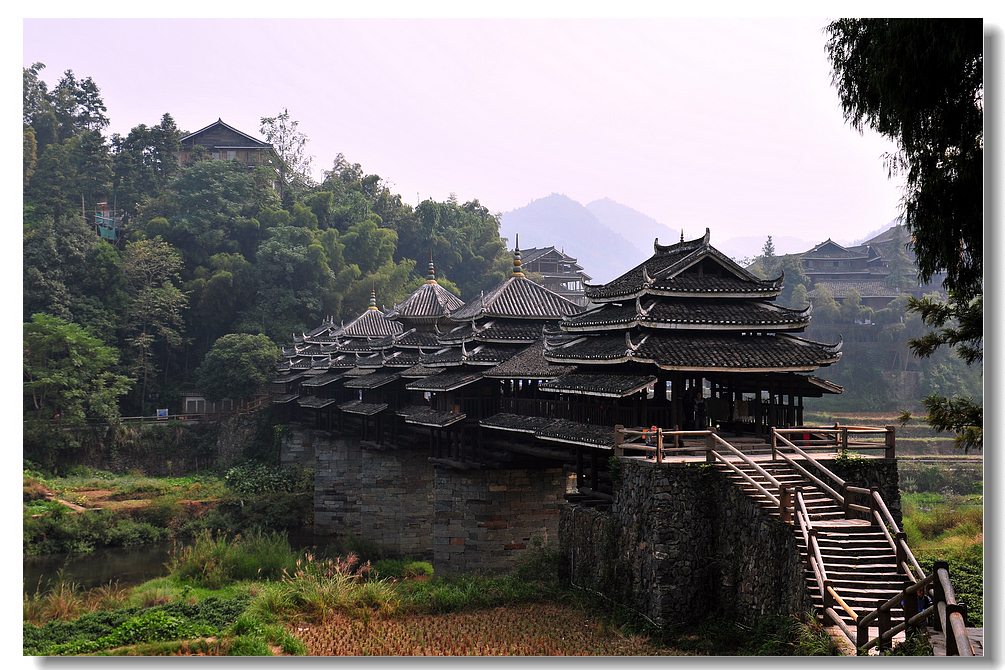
x: 558, y: 220
x: 640, y: 228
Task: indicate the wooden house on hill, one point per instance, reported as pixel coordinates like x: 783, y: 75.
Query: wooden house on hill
x: 559, y: 272
x: 223, y: 142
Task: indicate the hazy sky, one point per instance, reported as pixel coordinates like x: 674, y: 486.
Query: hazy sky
x: 730, y: 124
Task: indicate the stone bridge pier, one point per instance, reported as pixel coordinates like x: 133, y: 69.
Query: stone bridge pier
x: 459, y: 520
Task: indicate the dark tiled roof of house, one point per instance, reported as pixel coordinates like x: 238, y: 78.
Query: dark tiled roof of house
x: 314, y: 402
x: 475, y: 353
x: 517, y: 423
x: 285, y: 398
x: 428, y: 303
x: 372, y: 381
x: 362, y: 408
x: 323, y: 380
x: 699, y: 351
x: 424, y: 416
x: 866, y: 289
x: 371, y: 323
x: 529, y: 363
x: 500, y: 331
x: 573, y: 432
x: 414, y: 339
x: 517, y: 298
x: 420, y: 371
x: 610, y: 386
x: 831, y: 249
x: 664, y: 273
x: 447, y: 381
x: 689, y: 314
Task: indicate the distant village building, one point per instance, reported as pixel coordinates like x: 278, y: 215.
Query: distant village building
x: 559, y: 272
x: 223, y: 142
x: 864, y: 268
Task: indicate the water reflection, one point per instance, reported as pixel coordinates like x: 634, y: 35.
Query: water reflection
x: 127, y: 566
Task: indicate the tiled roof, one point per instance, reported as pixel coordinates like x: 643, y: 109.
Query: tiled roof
x: 689, y: 314
x: 448, y: 381
x: 414, y: 339
x: 517, y: 298
x: 573, y: 432
x: 662, y: 274
x: 358, y: 372
x: 866, y: 289
x: 475, y: 353
x: 495, y: 330
x: 363, y: 408
x: 285, y: 398
x: 314, y: 402
x: 517, y: 423
x: 698, y: 351
x: 529, y: 363
x: 427, y: 303
x: 371, y: 381
x: 831, y: 249
x: 323, y: 380
x: 608, y: 386
x: 420, y: 371
x: 424, y: 416
x: 371, y: 323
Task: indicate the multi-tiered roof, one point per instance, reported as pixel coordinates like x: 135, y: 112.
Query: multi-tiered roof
x: 690, y: 308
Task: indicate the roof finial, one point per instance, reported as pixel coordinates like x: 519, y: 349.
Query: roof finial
x: 517, y: 270
x: 431, y: 275
x: 681, y: 234
x: 373, y: 296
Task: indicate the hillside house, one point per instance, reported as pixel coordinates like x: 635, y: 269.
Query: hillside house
x: 225, y: 142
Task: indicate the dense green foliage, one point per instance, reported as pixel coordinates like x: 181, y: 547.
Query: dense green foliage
x: 236, y: 365
x: 920, y: 82
x: 214, y: 248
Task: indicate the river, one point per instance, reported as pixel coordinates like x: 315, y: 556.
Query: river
x: 127, y: 566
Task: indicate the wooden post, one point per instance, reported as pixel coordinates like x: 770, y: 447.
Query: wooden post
x: 709, y: 446
x: 785, y: 503
x: 873, y: 507
x: 884, y: 625
x: 659, y: 445
x: 579, y: 466
x: 619, y: 440
x: 676, y: 438
x: 846, y: 494
x: 891, y: 442
x: 901, y: 540
x: 844, y: 438
x: 774, y: 445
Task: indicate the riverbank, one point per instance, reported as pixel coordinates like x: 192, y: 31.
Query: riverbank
x: 296, y: 603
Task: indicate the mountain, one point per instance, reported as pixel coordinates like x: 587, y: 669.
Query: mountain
x: 640, y: 228
x: 560, y: 221
x: 876, y: 232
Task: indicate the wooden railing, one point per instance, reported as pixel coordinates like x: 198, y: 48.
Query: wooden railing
x: 951, y: 613
x: 840, y: 438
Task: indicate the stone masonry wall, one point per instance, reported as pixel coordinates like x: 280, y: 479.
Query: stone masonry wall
x: 383, y: 496
x: 681, y: 541
x: 484, y: 519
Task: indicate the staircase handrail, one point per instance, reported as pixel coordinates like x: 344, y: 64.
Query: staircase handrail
x: 816, y: 480
x: 743, y: 474
x: 885, y: 521
x: 736, y: 452
x: 776, y: 436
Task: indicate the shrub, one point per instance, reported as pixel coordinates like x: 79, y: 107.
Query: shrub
x: 216, y: 561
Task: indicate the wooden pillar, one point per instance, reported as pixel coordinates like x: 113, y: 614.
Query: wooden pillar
x: 594, y: 470
x: 579, y: 466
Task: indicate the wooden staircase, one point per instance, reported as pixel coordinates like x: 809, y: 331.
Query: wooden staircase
x: 860, y: 564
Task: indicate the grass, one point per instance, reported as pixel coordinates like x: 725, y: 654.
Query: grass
x: 340, y: 605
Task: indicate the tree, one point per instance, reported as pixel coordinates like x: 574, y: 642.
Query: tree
x: 154, y: 315
x: 768, y: 261
x: 293, y: 161
x: 920, y: 82
x: 903, y: 275
x: 69, y: 373
x: 236, y: 366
